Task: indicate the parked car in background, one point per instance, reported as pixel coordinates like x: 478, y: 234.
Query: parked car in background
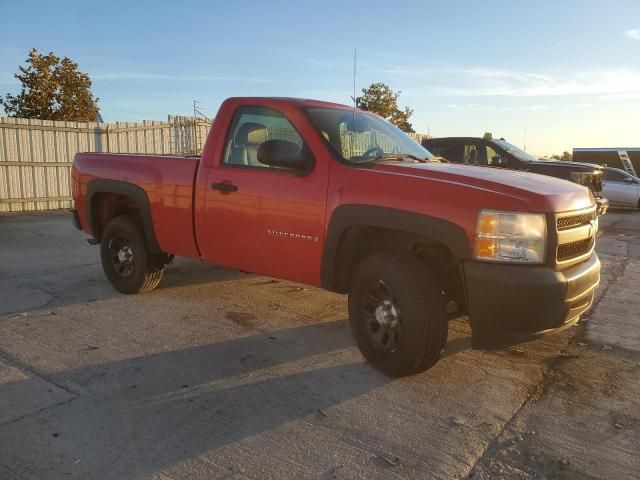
x: 491, y: 152
x: 621, y: 188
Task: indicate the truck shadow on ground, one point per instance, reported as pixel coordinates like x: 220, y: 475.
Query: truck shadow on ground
x: 87, y: 283
x: 135, y: 417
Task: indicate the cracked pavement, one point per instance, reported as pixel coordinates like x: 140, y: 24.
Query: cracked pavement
x: 218, y: 374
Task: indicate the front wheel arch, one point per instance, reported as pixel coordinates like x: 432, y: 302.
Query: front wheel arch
x: 351, y: 224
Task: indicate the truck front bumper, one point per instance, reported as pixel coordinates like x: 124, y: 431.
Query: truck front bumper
x: 510, y: 304
x: 602, y: 205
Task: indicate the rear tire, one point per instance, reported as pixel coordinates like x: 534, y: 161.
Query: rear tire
x: 127, y: 261
x: 397, y: 314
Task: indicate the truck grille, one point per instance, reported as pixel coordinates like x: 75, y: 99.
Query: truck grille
x: 576, y: 232
x: 566, y: 223
x: 571, y: 250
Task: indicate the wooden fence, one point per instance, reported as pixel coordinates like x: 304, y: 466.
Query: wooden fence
x: 36, y: 155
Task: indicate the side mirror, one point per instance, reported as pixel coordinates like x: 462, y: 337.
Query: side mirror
x: 284, y: 154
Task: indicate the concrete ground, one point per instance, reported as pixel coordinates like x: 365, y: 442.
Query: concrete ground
x: 218, y: 374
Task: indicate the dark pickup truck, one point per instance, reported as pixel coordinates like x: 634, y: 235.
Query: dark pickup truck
x: 500, y: 153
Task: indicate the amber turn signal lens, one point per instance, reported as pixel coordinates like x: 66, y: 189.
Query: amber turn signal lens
x: 486, y: 247
x: 487, y: 224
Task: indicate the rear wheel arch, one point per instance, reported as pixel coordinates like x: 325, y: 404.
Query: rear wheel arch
x: 107, y: 199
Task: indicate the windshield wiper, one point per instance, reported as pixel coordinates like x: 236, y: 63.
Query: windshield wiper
x: 398, y: 157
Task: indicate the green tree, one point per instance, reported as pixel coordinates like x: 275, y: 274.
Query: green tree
x: 566, y: 156
x: 380, y: 99
x: 52, y: 89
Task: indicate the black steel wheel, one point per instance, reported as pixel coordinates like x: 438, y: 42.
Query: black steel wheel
x: 397, y: 314
x: 127, y: 261
x: 382, y: 315
x: 122, y: 256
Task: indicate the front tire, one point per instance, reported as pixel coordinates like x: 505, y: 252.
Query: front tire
x: 397, y: 314
x: 127, y: 261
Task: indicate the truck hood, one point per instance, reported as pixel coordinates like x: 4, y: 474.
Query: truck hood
x: 539, y: 193
x: 582, y: 173
x: 575, y: 166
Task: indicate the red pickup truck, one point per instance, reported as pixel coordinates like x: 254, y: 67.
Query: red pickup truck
x: 326, y: 195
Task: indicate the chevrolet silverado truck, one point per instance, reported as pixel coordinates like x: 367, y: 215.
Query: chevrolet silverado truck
x: 330, y: 196
x: 500, y: 153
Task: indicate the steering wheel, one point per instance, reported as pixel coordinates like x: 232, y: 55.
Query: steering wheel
x: 374, y: 151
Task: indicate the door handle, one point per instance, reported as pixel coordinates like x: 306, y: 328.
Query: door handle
x: 224, y: 187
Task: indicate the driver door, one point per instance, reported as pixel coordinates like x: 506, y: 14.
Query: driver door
x: 259, y: 218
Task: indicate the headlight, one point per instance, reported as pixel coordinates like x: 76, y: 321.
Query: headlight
x: 511, y: 237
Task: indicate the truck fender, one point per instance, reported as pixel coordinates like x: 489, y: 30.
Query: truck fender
x: 127, y: 189
x: 346, y: 216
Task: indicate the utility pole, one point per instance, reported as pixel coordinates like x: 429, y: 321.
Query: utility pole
x: 525, y: 138
x: 198, y: 115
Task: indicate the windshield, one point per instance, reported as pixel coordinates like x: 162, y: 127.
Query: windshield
x: 360, y: 136
x: 515, y: 151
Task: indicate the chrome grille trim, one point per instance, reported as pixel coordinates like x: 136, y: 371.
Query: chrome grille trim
x: 567, y: 251
x: 576, y: 231
x: 571, y: 221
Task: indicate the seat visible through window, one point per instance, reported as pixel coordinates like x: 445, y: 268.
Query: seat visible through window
x: 246, y: 141
x: 253, y: 126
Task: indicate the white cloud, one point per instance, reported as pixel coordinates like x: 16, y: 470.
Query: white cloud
x: 620, y: 96
x: 481, y: 82
x: 474, y: 108
x: 633, y: 34
x: 171, y: 77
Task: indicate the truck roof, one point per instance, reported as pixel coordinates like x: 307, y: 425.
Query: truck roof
x: 608, y: 149
x: 308, y: 102
x: 458, y: 139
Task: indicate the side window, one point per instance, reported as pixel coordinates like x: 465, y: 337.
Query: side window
x: 437, y: 151
x: 492, y: 156
x: 453, y: 153
x: 253, y: 126
x: 495, y: 159
x: 613, y: 176
x: 472, y: 155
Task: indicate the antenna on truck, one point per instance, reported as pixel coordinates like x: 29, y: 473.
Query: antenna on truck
x: 353, y: 97
x: 355, y: 100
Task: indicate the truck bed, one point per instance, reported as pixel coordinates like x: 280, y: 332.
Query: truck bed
x: 168, y: 182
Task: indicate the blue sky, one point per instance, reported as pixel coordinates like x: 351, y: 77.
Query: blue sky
x: 567, y: 70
